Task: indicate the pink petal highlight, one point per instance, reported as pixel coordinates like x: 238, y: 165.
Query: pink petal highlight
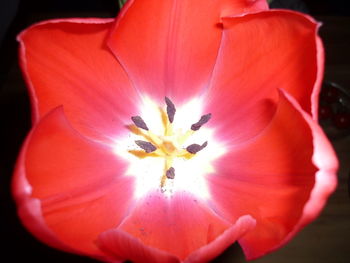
x: 318, y: 83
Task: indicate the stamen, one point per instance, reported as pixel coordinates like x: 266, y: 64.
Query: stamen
x: 194, y: 148
x: 147, y: 146
x: 168, y: 145
x: 170, y: 109
x: 203, y: 120
x: 139, y: 122
x: 170, y: 173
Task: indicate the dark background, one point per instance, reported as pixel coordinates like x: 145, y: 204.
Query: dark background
x: 17, y: 244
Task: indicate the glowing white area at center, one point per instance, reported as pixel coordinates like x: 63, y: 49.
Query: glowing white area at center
x: 190, y: 174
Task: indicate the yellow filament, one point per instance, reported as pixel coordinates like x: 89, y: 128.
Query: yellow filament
x: 154, y: 138
x: 182, y: 139
x: 169, y: 129
x: 168, y: 165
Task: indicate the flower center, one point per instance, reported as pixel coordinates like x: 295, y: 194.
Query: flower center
x: 170, y: 145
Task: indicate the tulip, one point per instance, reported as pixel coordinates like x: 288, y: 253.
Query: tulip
x: 173, y: 131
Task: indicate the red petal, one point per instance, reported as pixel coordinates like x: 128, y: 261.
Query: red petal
x: 174, y: 54
x: 77, y: 181
x: 29, y: 209
x: 66, y: 62
x: 179, y: 226
x: 216, y: 247
x: 318, y: 83
x: 121, y: 245
x: 238, y: 125
x: 263, y: 52
x: 325, y: 159
x: 271, y: 178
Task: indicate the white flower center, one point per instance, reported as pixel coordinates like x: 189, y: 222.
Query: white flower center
x: 165, y: 154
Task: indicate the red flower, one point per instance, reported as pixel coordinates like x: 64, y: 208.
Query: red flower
x: 234, y: 152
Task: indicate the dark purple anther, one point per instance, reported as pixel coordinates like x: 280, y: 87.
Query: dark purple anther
x: 170, y: 174
x: 170, y: 109
x: 139, y: 122
x: 146, y: 146
x: 203, y: 120
x: 194, y: 148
